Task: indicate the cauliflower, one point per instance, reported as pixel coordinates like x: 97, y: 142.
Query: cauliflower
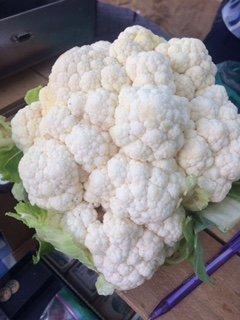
x: 149, y: 123
x: 90, y: 147
x: 133, y: 40
x: 57, y: 123
x: 149, y: 68
x: 25, y: 125
x: 81, y: 69
x: 139, y: 191
x: 51, y: 176
x: 78, y: 220
x: 212, y: 148
x: 100, y: 108
x: 125, y: 253
x: 123, y: 128
x: 192, y: 64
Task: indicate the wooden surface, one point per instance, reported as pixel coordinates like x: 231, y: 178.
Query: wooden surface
x: 217, y: 301
x: 225, y: 236
x: 220, y: 300
x: 15, y: 87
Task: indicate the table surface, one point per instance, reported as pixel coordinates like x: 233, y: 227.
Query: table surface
x: 217, y: 301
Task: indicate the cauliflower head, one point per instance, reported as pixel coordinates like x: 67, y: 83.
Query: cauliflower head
x: 121, y: 128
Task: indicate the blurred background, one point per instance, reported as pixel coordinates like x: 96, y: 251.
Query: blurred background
x: 191, y: 18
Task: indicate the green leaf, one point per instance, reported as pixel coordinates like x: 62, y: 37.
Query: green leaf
x: 197, y: 261
x: 43, y: 248
x: 9, y: 161
x: 49, y: 229
x: 32, y: 95
x: 5, y: 133
x: 10, y: 155
x: 182, y: 254
x: 19, y: 192
x: 201, y: 223
x: 196, y: 199
x: 186, y: 245
x: 103, y: 287
x: 224, y: 215
x: 188, y: 230
x: 234, y: 193
x: 32, y: 216
x: 190, y: 248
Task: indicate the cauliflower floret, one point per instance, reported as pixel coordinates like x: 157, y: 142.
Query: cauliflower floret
x: 208, y: 152
x: 125, y: 253
x: 96, y: 108
x: 25, y: 125
x: 143, y: 192
x: 100, y: 108
x: 184, y: 86
x: 76, y: 104
x: 78, y: 69
x: 57, y: 123
x: 133, y: 40
x: 114, y: 77
x: 171, y: 228
x: 195, y: 156
x: 90, y: 147
x: 215, y: 92
x: 150, y: 68
x: 50, y: 176
x: 102, y: 46
x: 79, y: 219
x: 149, y: 123
x: 190, y: 57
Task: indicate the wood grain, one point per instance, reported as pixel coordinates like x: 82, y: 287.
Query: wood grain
x: 217, y: 301
x: 44, y: 68
x: 226, y: 236
x: 15, y: 87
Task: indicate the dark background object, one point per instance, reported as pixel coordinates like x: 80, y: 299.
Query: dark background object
x: 220, y: 42
x: 33, y: 30
x: 111, y: 20
x: 38, y: 285
x: 228, y: 75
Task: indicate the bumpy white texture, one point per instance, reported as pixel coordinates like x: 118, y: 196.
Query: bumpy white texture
x: 57, y: 123
x: 125, y: 253
x: 133, y: 40
x: 25, y: 125
x: 184, y: 86
x: 189, y: 57
x: 149, y: 123
x: 144, y: 193
x: 100, y: 108
x: 78, y: 69
x: 50, y: 176
x: 150, y: 68
x: 212, y: 149
x: 90, y: 147
x: 78, y: 220
x: 171, y: 228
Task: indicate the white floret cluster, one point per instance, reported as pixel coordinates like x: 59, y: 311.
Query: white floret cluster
x: 122, y: 126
